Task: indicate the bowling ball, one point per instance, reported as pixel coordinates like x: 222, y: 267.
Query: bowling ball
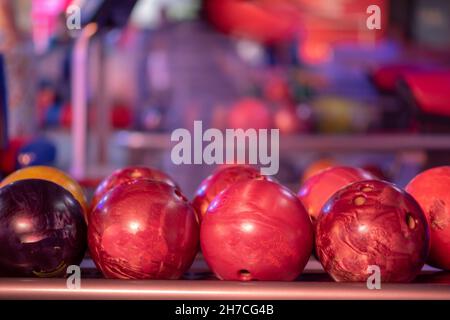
x: 376, y: 171
x: 431, y: 189
x: 335, y: 114
x: 50, y: 174
x: 316, y: 167
x: 372, y: 223
x: 42, y: 230
x: 128, y: 174
x: 256, y: 230
x: 277, y: 90
x: 316, y: 190
x: 121, y: 116
x: 143, y: 229
x: 38, y: 152
x: 218, y: 182
x: 286, y: 120
x: 250, y: 113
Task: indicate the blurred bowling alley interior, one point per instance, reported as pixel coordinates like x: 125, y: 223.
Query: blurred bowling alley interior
x: 92, y: 86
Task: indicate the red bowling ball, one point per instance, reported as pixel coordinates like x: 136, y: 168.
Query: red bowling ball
x: 218, y: 182
x: 372, y: 223
x: 256, y: 230
x: 250, y: 113
x: 431, y: 189
x: 316, y: 190
x: 144, y: 229
x: 125, y: 175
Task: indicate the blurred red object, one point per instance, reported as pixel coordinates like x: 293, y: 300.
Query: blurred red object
x: 122, y: 117
x: 264, y: 21
x: 326, y: 23
x: 66, y: 116
x: 431, y: 91
x: 250, y: 113
x: 376, y: 171
x: 386, y: 77
x: 318, y: 166
x: 8, y: 156
x: 287, y: 121
x: 277, y: 90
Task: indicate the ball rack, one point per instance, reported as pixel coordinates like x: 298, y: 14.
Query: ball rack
x: 200, y: 283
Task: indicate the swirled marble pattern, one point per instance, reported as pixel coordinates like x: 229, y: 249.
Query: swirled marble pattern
x: 316, y: 190
x: 256, y: 230
x: 431, y: 189
x: 143, y: 230
x: 218, y: 182
x: 372, y: 223
x: 42, y: 229
x: 128, y: 174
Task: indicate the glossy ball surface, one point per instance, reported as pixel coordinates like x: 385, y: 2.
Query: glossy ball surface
x: 316, y: 167
x: 431, y: 189
x: 256, y: 230
x: 316, y: 190
x: 42, y: 230
x: 250, y: 113
x: 286, y: 120
x: 143, y: 229
x: 128, y: 174
x: 372, y: 223
x: 218, y: 182
x: 53, y: 175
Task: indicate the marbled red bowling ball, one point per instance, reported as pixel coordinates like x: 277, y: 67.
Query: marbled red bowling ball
x: 372, y: 223
x: 42, y: 229
x: 250, y: 113
x: 316, y: 190
x: 256, y: 230
x: 128, y: 174
x: 218, y: 182
x: 431, y: 189
x: 376, y: 171
x: 144, y: 229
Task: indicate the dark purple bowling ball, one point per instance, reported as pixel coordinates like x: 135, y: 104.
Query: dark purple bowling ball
x: 42, y: 230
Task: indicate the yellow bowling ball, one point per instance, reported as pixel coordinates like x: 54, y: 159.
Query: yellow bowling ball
x: 53, y: 175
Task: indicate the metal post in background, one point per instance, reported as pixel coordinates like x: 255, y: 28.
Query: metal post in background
x: 103, y: 118
x: 79, y: 101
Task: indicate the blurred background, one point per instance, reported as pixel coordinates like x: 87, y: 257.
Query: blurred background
x: 105, y: 89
